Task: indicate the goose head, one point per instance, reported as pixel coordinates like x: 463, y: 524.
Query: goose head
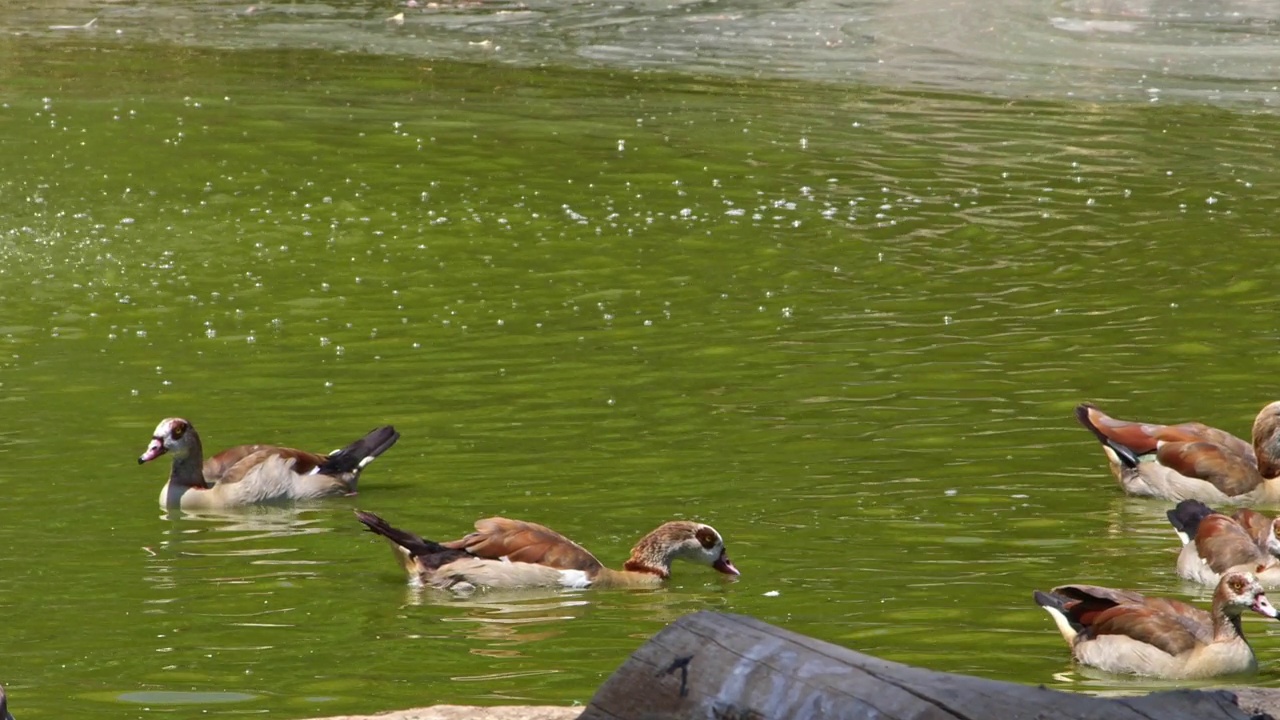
x: 172, y: 435
x: 680, y: 539
x: 1240, y: 591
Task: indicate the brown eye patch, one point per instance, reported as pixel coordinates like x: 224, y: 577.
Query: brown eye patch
x: 178, y: 431
x: 707, y: 537
x: 1236, y: 584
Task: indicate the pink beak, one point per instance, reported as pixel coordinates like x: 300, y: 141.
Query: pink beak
x: 154, y: 450
x: 725, y: 565
x: 1263, y: 606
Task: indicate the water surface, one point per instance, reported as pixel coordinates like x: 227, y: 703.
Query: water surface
x: 843, y: 320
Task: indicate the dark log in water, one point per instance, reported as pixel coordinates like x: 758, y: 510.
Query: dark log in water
x: 731, y: 667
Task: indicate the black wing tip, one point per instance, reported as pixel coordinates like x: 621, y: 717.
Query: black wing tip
x: 1126, y: 456
x: 355, y: 456
x: 370, y: 520
x: 1082, y: 415
x: 415, y: 544
x: 1044, y: 599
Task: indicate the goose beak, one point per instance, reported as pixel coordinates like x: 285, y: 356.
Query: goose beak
x: 154, y: 450
x: 1263, y: 606
x: 725, y: 565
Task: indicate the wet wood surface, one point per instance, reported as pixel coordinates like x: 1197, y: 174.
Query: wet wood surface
x: 732, y: 667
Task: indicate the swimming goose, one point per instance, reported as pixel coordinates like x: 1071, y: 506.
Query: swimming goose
x: 256, y: 474
x: 1121, y: 631
x: 1264, y: 529
x: 1191, y: 461
x: 1214, y: 544
x: 507, y: 554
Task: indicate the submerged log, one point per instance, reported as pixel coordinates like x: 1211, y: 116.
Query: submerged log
x: 730, y: 667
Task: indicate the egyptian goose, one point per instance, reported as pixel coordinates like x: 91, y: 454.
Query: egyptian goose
x: 1214, y: 544
x: 4, y: 705
x: 1121, y: 631
x: 1264, y: 530
x: 1191, y: 461
x: 508, y: 554
x: 256, y: 474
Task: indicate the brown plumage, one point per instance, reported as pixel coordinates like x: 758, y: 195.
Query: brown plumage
x: 1262, y: 528
x: 1215, y: 544
x: 1191, y: 460
x: 1122, y: 631
x: 256, y: 474
x: 527, y: 542
x: 505, y: 553
x: 1187, y: 515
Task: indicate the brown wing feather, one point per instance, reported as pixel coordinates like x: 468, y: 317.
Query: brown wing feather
x: 1098, y: 594
x: 1142, y: 437
x: 217, y: 466
x: 1199, y: 621
x: 1224, y: 544
x: 1147, y: 624
x: 1199, y: 432
x: 245, y: 465
x: 1088, y: 602
x: 520, y: 541
x: 1255, y: 523
x: 1229, y: 472
x: 220, y: 467
x: 1135, y: 436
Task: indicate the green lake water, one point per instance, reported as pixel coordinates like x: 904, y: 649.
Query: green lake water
x: 799, y: 281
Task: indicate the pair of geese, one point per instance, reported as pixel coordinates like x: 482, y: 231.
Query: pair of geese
x: 1123, y: 631
x: 500, y: 554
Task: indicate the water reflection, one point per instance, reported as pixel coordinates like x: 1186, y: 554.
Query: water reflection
x: 505, y: 617
x: 258, y: 535
x: 533, y: 615
x: 240, y: 525
x: 160, y: 697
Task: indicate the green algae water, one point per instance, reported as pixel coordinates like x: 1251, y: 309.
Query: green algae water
x: 840, y: 309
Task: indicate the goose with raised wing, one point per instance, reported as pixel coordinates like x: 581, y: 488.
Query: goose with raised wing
x: 1191, y: 461
x: 1122, y: 631
x: 257, y: 474
x: 508, y: 554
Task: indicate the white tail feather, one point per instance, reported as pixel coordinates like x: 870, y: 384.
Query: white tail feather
x: 574, y: 579
x: 1064, y: 625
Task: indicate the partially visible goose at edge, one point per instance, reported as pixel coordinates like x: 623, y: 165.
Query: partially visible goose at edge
x: 1121, y: 631
x: 4, y: 705
x: 257, y: 474
x: 508, y: 554
x: 1191, y: 461
x: 1264, y: 529
x: 1215, y: 544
